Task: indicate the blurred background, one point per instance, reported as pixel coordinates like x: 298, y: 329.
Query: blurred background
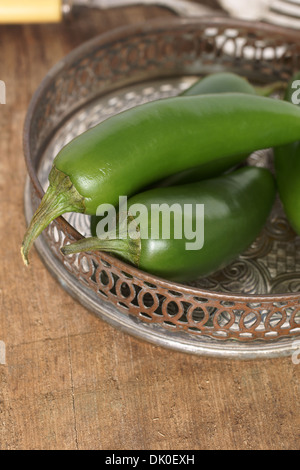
x: 281, y: 12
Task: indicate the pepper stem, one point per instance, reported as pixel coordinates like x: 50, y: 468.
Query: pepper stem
x: 60, y: 197
x: 121, y: 244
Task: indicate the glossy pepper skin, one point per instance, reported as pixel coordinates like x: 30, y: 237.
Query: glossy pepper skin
x: 223, y: 82
x: 287, y: 168
x: 236, y: 207
x: 137, y: 147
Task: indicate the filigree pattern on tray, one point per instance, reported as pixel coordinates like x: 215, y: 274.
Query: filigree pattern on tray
x: 257, y: 296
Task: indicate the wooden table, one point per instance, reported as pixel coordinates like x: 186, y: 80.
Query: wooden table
x: 72, y: 381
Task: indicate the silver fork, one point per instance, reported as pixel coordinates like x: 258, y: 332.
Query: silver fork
x: 280, y: 12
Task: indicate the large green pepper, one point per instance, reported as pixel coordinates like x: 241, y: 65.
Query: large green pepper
x: 287, y: 167
x: 137, y: 147
x: 236, y: 207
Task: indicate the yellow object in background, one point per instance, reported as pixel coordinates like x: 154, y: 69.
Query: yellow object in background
x: 30, y: 11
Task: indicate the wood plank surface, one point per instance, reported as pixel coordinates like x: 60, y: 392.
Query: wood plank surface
x: 70, y: 380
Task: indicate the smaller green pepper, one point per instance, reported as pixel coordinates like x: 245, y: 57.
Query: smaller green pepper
x: 236, y: 207
x: 228, y: 82
x: 223, y: 82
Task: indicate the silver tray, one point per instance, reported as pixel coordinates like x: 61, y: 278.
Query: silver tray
x: 248, y: 310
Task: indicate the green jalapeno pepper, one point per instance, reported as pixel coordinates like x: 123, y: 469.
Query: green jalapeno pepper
x: 223, y: 82
x: 131, y: 150
x: 287, y: 168
x: 236, y: 207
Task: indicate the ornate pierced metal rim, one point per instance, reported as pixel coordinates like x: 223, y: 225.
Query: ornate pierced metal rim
x: 106, y: 39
